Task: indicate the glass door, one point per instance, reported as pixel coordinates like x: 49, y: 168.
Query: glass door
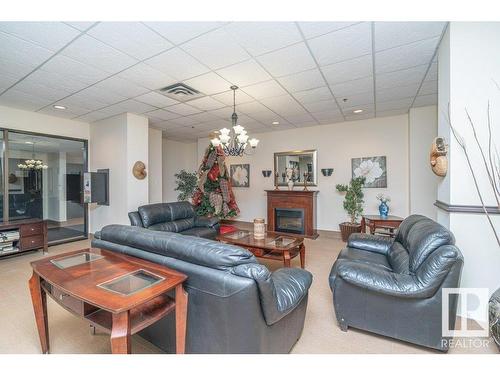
x: 45, y: 181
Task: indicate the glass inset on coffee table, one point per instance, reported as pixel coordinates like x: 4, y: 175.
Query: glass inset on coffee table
x: 75, y: 260
x: 131, y: 283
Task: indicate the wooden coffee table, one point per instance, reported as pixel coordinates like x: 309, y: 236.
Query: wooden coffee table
x: 117, y: 293
x: 269, y: 247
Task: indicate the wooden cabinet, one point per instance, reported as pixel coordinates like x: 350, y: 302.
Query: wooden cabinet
x: 32, y: 235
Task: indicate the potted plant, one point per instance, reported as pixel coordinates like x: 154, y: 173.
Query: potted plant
x: 186, y: 184
x: 353, y: 204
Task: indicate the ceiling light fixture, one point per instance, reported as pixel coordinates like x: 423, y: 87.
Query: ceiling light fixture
x: 60, y: 107
x: 357, y: 111
x: 275, y: 122
x: 235, y: 145
x: 33, y: 163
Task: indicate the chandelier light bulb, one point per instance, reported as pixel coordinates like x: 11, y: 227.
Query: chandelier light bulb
x: 224, y: 138
x: 238, y: 129
x: 215, y: 142
x: 224, y: 131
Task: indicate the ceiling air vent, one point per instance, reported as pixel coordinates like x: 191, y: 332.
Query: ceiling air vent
x: 180, y: 92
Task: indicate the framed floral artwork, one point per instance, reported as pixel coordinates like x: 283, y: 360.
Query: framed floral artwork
x: 240, y: 175
x: 373, y: 169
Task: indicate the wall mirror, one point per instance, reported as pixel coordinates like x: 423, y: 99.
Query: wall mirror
x: 299, y: 162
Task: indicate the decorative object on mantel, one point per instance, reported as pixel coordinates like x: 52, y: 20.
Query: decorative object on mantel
x: 276, y: 184
x: 439, y: 162
x: 327, y: 172
x: 266, y: 173
x: 236, y: 145
x: 299, y: 162
x: 139, y: 170
x: 306, y: 176
x: 240, y: 175
x: 383, y: 208
x: 373, y: 169
x: 186, y: 183
x: 289, y: 178
x: 214, y: 195
x: 259, y: 229
x: 353, y: 204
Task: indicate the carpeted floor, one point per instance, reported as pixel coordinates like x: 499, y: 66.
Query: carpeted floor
x: 69, y: 334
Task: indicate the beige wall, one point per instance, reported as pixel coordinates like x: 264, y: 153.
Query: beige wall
x: 155, y: 169
x: 336, y: 145
x: 176, y: 156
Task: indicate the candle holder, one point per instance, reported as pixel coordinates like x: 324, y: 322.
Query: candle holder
x: 276, y: 179
x: 306, y: 176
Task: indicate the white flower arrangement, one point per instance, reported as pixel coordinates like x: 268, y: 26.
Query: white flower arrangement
x: 383, y: 198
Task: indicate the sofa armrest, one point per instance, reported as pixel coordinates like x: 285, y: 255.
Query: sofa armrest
x: 135, y: 219
x: 370, y: 242
x: 378, y: 280
x: 280, y: 291
x: 205, y: 221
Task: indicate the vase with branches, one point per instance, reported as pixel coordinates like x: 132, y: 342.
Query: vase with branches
x: 353, y: 204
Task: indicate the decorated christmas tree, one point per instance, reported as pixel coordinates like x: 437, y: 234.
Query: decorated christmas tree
x: 214, y: 194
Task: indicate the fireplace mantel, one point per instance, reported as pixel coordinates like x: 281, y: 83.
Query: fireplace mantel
x: 293, y: 199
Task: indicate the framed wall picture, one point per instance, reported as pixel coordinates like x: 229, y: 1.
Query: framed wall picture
x: 240, y: 175
x: 373, y: 168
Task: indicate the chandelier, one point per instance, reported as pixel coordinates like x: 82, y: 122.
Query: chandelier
x: 32, y: 164
x: 234, y: 145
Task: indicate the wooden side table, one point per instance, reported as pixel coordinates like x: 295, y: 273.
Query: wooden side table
x: 377, y: 221
x: 120, y: 294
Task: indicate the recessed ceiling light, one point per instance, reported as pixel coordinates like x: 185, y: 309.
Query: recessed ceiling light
x: 357, y: 111
x: 275, y: 122
x: 28, y: 142
x: 61, y: 107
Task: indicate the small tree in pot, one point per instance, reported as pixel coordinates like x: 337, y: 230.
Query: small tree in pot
x: 353, y: 204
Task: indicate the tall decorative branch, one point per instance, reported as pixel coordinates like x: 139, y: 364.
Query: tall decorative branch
x: 493, y: 165
x: 463, y: 146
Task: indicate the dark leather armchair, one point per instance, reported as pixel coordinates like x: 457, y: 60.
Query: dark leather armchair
x: 178, y: 217
x: 393, y: 287
x: 235, y: 305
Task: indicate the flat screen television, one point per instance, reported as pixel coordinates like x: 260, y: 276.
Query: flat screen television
x: 96, y: 187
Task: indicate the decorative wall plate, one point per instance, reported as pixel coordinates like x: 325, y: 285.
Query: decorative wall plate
x: 139, y: 170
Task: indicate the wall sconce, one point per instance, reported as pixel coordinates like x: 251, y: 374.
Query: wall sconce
x: 327, y: 172
x: 266, y: 173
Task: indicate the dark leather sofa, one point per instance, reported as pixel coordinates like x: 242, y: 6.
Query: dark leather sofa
x: 393, y: 287
x: 178, y: 217
x: 236, y: 305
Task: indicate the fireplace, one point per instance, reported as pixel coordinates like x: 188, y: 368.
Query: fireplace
x: 289, y: 220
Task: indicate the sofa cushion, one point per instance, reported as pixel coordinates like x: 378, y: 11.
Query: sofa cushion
x: 405, y: 227
x: 424, y: 237
x: 398, y: 258
x: 364, y: 256
x: 199, y: 251
x: 164, y: 212
x: 209, y: 233
x: 176, y: 226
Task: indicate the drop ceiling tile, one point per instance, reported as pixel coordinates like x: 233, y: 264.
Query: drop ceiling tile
x: 95, y: 93
x: 206, y: 103
x: 223, y: 113
x: 406, y: 56
x: 366, y: 108
x: 422, y: 101
x: 179, y: 32
x: 155, y: 99
x: 329, y: 115
x: 300, y: 119
x: 252, y: 108
x: 50, y: 35
x: 162, y: 114
x: 82, y: 26
x: 132, y: 38
x: 262, y: 37
x: 432, y: 74
x: 21, y: 52
x: 92, y: 116
x: 394, y: 112
x: 166, y: 125
x: 18, y: 99
x: 244, y: 74
x: 6, y: 80
x: 227, y: 97
x: 404, y: 77
x: 322, y: 106
x: 14, y: 69
x: 185, y: 121
x: 343, y: 44
x: 313, y: 95
x: 357, y: 100
x: 121, y: 86
x: 349, y: 88
x: 82, y: 101
x: 266, y: 117
x: 146, y: 76
x: 428, y: 88
x: 394, y: 104
x: 283, y: 105
x: 68, y: 113
x: 134, y: 106
x: 90, y: 51
x: 204, y: 117
x: 49, y: 93
x: 183, y: 109
x: 56, y: 80
x: 348, y: 70
x: 263, y: 90
x: 393, y: 34
x: 209, y: 84
x: 72, y: 69
x: 399, y: 92
x: 313, y: 29
x: 360, y: 116
x: 288, y: 60
x: 113, y: 110
x: 306, y: 80
x: 216, y: 49
x: 178, y: 64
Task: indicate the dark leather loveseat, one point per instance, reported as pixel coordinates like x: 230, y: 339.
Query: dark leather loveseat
x: 393, y: 287
x: 178, y: 217
x: 236, y: 305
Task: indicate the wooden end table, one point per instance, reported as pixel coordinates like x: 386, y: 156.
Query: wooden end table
x: 270, y: 247
x: 377, y: 221
x: 118, y: 293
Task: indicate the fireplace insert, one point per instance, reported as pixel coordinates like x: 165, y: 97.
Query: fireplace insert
x: 289, y: 220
